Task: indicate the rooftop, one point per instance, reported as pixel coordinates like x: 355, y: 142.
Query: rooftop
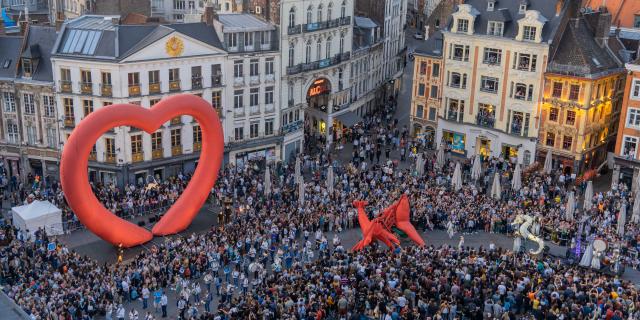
x: 431, y: 47
x: 623, y: 12
x: 242, y: 22
x: 9, y: 55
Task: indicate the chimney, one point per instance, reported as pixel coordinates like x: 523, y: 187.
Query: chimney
x: 209, y: 14
x: 23, y: 27
x: 603, y: 27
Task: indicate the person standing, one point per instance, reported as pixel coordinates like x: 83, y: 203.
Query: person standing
x: 207, y: 301
x: 163, y: 304
x: 120, y: 312
x: 145, y: 297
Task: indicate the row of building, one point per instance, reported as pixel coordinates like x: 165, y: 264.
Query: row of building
x: 517, y: 79
x: 315, y: 69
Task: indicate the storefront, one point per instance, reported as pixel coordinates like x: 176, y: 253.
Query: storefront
x: 484, y: 147
x: 455, y: 141
x: 260, y: 156
x: 509, y: 152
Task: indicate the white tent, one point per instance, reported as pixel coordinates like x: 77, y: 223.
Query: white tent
x: 456, y: 180
x: 588, y: 197
x: 476, y: 170
x: 548, y: 162
x: 38, y: 214
x: 516, y: 182
x: 267, y: 181
x: 571, y: 206
x: 496, y: 190
x: 440, y: 157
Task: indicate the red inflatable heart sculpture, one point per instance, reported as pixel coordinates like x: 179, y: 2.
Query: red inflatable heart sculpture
x: 75, y: 158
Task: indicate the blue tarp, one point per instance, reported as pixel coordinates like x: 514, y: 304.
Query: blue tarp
x: 8, y: 22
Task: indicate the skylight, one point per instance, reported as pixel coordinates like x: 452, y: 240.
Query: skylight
x: 81, y: 42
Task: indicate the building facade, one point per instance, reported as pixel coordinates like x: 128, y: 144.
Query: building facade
x: 584, y: 85
x: 627, y: 165
x: 29, y: 143
x: 495, y: 55
x: 253, y: 99
x: 97, y: 62
x: 426, y: 93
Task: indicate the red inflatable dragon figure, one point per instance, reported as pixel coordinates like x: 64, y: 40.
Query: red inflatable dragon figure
x: 380, y: 228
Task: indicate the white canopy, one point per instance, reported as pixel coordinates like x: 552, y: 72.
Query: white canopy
x: 38, y: 214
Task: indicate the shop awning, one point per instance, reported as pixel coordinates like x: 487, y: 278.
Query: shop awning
x: 349, y: 118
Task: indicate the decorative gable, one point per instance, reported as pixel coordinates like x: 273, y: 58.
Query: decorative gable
x: 174, y: 45
x: 464, y: 19
x: 530, y: 27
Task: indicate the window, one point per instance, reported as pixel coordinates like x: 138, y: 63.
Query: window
x: 307, y: 57
x: 52, y: 140
x: 26, y: 67
x: 268, y: 66
x: 421, y: 89
x: 197, y: 134
x: 463, y: 25
x: 319, y: 50
x: 268, y: 95
x: 292, y: 17
x: 489, y: 84
x: 156, y: 141
x: 574, y: 92
x: 525, y: 62
x: 110, y: 147
x: 253, y: 129
x: 567, y: 141
x: 87, y: 107
x: 636, y: 22
x: 557, y: 90
x: 12, y: 132
x: 233, y: 40
x: 309, y: 14
x: 253, y: 67
x: 69, y: 117
x: 238, y: 133
x: 629, y: 147
x: 216, y: 100
x: 553, y: 114
x: 435, y: 71
x: 32, y: 136
x: 459, y: 52
x: 341, y: 43
x: 423, y: 68
x: 520, y: 91
x: 633, y: 119
x: 492, y: 56
x: 106, y: 78
x: 248, y: 39
x: 343, y: 9
x: 529, y: 33
x: 319, y: 13
x: 458, y: 80
x: 635, y: 89
x: 420, y: 111
x: 85, y: 76
x: 29, y: 104
x: 518, y: 122
x: 134, y: 79
x: 176, y: 136
x: 268, y: 127
x: 551, y: 139
x: 152, y: 102
x: 571, y: 117
x: 329, y: 11
x: 432, y: 114
x: 237, y: 99
x: 292, y: 49
x: 486, y: 115
x: 434, y: 92
x: 254, y: 96
x: 327, y: 48
x: 9, y: 102
x: 455, y: 110
x: 237, y: 68
x: 65, y: 75
x: 154, y: 77
x: 136, y: 144
x: 495, y: 28
x: 48, y: 104
x: 174, y: 74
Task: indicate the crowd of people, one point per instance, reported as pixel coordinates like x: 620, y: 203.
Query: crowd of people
x: 280, y: 258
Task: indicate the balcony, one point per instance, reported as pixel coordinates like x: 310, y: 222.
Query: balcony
x: 253, y: 110
x: 238, y: 81
x: 216, y: 81
x: 516, y: 128
x: 110, y: 158
x: 238, y: 112
x: 155, y: 88
x: 92, y: 156
x: 176, y: 150
x: 321, y: 64
x: 334, y: 23
x: 156, y: 154
x: 106, y: 90
x: 292, y: 127
x: 196, y: 82
x: 174, y: 85
x: 66, y: 86
x: 197, y: 146
x: 291, y: 103
x: 137, y: 157
x: 452, y: 116
x: 86, y: 87
x: 176, y: 121
x: 294, y: 30
x: 269, y: 108
x: 134, y: 90
x: 254, y: 80
x: 485, y: 121
x: 270, y: 78
x: 69, y: 122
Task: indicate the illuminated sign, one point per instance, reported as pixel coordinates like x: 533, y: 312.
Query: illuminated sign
x: 319, y: 87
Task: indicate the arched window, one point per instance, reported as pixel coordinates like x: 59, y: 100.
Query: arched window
x: 308, y: 52
x: 342, y: 43
x: 319, y: 17
x: 319, y: 50
x: 329, y: 11
x: 292, y: 49
x: 310, y: 14
x: 327, y: 48
x: 343, y: 9
x: 526, y: 158
x: 292, y: 17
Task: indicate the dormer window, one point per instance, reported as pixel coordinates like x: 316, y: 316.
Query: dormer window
x: 495, y: 28
x: 27, y: 68
x: 463, y: 25
x: 523, y: 7
x: 529, y: 33
x: 490, y: 5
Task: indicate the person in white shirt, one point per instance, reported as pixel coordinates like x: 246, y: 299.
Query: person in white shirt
x: 145, y: 297
x: 120, y: 312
